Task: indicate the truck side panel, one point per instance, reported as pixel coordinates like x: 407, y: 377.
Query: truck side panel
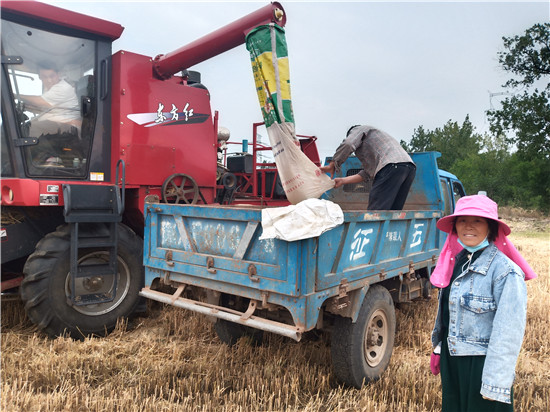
x: 221, y: 244
x: 218, y: 248
x: 381, y: 244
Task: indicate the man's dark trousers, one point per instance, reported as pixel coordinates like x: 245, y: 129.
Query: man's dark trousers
x: 391, y: 186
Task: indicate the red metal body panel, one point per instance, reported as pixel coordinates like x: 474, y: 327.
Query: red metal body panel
x: 309, y: 147
x: 31, y: 192
x: 20, y: 192
x: 11, y: 283
x: 217, y: 42
x: 55, y: 15
x: 184, y: 140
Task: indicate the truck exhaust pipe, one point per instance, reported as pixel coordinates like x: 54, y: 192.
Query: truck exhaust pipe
x: 217, y: 42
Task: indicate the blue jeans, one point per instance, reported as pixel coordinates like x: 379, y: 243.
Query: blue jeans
x: 391, y: 186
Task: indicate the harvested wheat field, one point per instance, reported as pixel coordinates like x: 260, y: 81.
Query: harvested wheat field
x: 172, y: 360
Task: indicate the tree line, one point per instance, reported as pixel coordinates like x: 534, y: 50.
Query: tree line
x: 511, y: 162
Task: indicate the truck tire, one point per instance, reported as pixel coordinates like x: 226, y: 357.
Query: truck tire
x: 361, y: 351
x: 45, y: 289
x: 230, y: 332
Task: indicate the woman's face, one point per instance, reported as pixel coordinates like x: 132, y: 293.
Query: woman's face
x: 471, y: 230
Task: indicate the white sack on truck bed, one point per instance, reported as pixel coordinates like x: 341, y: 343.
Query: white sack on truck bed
x: 309, y: 218
x: 300, y: 177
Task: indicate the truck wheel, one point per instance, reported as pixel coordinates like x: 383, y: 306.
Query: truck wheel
x: 230, y: 332
x: 46, y: 292
x: 361, y: 351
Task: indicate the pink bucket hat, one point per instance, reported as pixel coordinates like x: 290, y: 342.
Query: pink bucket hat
x: 476, y: 205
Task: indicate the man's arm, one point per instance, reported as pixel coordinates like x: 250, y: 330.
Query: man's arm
x: 347, y: 147
x: 340, y: 181
x: 36, y: 103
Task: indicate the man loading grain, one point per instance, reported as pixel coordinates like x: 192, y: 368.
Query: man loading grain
x: 384, y: 161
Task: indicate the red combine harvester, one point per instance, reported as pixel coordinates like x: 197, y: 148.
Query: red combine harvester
x: 87, y: 138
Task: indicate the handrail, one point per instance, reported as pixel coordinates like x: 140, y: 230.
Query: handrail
x: 123, y: 194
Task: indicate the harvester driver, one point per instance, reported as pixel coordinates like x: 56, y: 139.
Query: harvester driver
x: 57, y: 111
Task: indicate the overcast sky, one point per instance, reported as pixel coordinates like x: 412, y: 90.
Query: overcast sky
x: 392, y: 65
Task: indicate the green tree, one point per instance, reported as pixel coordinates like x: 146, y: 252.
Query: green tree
x: 509, y: 178
x: 525, y: 117
x: 456, y: 142
x: 484, y: 170
x: 453, y: 141
x: 528, y: 116
x: 421, y: 141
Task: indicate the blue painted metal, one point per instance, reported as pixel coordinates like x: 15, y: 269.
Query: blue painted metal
x: 425, y: 192
x: 445, y: 174
x: 218, y: 248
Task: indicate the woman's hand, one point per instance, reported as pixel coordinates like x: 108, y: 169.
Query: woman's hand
x: 435, y: 365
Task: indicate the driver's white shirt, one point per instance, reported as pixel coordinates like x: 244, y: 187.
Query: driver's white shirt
x: 64, y: 101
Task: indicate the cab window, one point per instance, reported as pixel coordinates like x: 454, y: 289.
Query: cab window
x: 458, y: 191
x: 52, y: 88
x: 445, y: 191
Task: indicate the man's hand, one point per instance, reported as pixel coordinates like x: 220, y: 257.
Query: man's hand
x: 339, y: 181
x: 330, y: 168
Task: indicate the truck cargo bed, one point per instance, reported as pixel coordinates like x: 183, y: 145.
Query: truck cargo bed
x: 218, y: 248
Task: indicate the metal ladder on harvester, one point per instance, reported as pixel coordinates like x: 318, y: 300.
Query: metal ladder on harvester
x: 102, y: 206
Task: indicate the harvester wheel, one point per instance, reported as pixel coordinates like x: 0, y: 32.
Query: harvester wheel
x: 46, y: 287
x: 361, y: 351
x: 180, y: 188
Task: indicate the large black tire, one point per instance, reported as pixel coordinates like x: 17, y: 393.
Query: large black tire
x: 361, y: 351
x: 46, y: 287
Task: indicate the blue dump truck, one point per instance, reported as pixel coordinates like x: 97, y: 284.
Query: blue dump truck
x: 209, y: 259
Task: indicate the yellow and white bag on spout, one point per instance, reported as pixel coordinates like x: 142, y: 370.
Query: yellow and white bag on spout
x: 300, y: 177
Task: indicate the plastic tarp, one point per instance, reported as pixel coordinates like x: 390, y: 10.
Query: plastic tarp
x: 300, y: 177
x: 309, y: 218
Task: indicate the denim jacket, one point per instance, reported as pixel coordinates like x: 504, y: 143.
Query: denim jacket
x: 487, y: 306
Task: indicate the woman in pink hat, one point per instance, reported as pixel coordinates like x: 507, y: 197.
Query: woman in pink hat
x: 481, y: 317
